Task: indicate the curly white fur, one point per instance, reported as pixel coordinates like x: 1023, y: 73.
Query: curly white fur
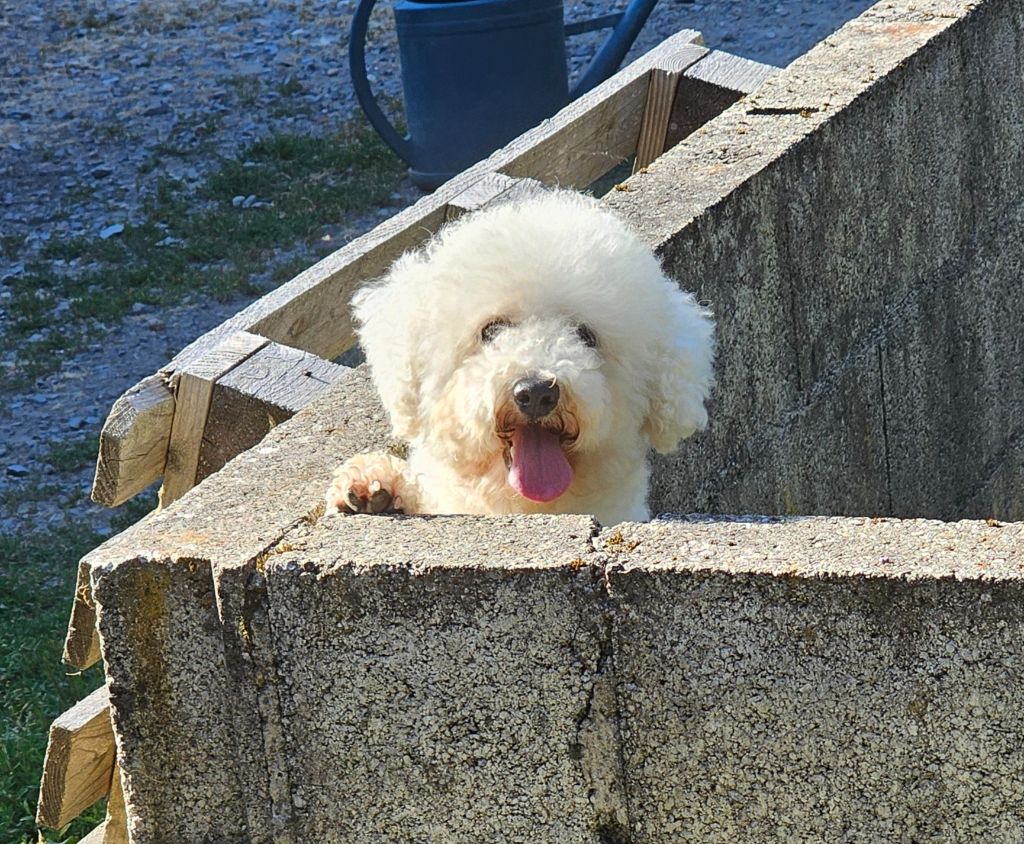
x: 542, y: 267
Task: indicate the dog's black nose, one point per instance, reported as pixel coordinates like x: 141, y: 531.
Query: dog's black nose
x: 535, y: 397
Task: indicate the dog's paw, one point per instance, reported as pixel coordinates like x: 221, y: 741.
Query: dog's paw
x: 369, y: 483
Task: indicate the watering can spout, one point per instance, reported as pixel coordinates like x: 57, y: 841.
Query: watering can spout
x: 614, y: 49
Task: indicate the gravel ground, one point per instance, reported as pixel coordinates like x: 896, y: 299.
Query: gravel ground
x: 91, y: 90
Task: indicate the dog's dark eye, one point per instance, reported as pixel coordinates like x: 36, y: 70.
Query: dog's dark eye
x: 493, y: 329
x: 587, y: 336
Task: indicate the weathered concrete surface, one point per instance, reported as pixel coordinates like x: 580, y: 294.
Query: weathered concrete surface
x: 179, y: 597
x: 519, y: 679
x: 171, y: 705
x: 437, y: 681
x: 820, y: 679
x: 857, y: 225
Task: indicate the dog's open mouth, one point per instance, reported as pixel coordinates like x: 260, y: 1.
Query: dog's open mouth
x: 537, y: 465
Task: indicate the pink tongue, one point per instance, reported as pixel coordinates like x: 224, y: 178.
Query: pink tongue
x: 539, y: 470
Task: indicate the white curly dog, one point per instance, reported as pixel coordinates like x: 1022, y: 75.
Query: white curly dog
x: 530, y: 354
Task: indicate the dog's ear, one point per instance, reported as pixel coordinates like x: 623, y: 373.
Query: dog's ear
x: 681, y: 371
x: 385, y: 317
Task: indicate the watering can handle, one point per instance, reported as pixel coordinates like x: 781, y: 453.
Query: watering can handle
x: 603, y: 65
x: 615, y: 47
x: 357, y: 68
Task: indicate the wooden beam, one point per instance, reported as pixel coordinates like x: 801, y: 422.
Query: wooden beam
x: 133, y: 442
x: 115, y: 827
x: 490, y: 188
x: 661, y: 95
x: 589, y: 137
x: 269, y: 387
x: 82, y: 643
x: 709, y: 87
x: 79, y: 761
x: 192, y: 393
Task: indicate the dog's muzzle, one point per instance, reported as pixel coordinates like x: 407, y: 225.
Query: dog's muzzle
x: 533, y: 430
x: 535, y: 397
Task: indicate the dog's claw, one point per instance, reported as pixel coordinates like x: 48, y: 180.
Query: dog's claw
x: 379, y: 501
x: 355, y: 503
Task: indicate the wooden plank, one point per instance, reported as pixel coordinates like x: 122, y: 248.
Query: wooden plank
x: 709, y: 87
x: 133, y: 442
x: 82, y: 644
x: 490, y: 188
x: 661, y: 95
x: 589, y: 137
x: 193, y: 390
x: 79, y: 761
x: 269, y: 387
x: 115, y: 828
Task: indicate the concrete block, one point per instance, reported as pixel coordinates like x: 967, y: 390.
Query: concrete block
x: 953, y: 382
x: 841, y: 421
x: 183, y: 769
x: 181, y: 592
x: 863, y: 203
x: 444, y: 680
x: 820, y: 679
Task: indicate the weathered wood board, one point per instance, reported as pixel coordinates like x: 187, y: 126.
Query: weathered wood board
x: 79, y: 761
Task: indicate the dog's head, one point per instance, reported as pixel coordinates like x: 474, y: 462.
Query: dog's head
x: 537, y: 335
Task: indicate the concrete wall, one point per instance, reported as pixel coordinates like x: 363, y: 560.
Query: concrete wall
x: 857, y: 225
x: 540, y: 679
x: 280, y: 676
x: 820, y: 680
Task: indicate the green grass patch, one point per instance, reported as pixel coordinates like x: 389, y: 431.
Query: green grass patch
x: 291, y: 87
x: 247, y: 88
x: 89, y: 19
x: 31, y: 492
x: 37, y: 583
x: 10, y: 245
x: 197, y: 240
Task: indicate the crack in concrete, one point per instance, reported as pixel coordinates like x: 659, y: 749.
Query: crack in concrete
x: 885, y: 432
x: 598, y: 738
